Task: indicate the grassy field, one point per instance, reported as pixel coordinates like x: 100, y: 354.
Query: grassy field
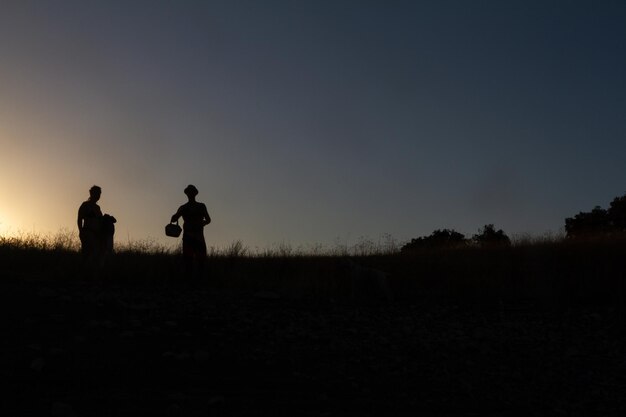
x: 532, y: 329
x: 553, y: 272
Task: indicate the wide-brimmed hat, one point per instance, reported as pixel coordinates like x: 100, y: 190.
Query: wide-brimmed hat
x: 191, y: 190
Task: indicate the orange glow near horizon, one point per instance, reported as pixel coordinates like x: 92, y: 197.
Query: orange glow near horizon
x: 6, y: 226
x: 10, y: 223
x: 45, y: 174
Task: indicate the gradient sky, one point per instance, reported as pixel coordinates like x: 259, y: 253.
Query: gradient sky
x: 310, y: 122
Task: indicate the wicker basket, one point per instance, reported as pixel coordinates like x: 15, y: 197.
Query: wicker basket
x: 173, y: 229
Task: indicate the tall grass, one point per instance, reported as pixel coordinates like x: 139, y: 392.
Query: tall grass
x: 364, y: 246
x: 550, y: 269
x: 64, y: 240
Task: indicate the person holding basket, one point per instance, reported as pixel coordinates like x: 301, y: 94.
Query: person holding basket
x: 195, y: 217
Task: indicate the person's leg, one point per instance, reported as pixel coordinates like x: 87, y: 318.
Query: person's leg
x: 102, y: 256
x: 188, y: 255
x: 90, y: 252
x: 86, y: 246
x: 202, y: 259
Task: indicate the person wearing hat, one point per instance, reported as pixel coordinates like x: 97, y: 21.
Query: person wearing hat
x: 195, y: 217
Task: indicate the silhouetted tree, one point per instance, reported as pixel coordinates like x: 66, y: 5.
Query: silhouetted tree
x: 599, y: 222
x: 489, y: 236
x: 440, y: 238
x: 617, y: 214
x: 594, y: 223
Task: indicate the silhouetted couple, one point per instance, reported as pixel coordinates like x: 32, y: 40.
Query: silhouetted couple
x: 195, y: 217
x: 95, y: 229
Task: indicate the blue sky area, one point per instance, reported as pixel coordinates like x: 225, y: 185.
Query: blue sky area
x: 312, y: 122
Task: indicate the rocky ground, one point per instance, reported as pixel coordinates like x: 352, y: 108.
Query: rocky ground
x: 77, y: 348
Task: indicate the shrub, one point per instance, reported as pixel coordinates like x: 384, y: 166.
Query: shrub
x: 489, y: 236
x: 584, y: 224
x: 440, y: 238
x: 599, y: 222
x: 617, y: 214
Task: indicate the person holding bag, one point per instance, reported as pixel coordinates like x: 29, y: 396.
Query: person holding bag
x: 195, y: 217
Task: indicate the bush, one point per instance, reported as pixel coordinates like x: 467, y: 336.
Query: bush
x: 617, y: 214
x: 489, y: 236
x: 440, y: 238
x: 599, y: 222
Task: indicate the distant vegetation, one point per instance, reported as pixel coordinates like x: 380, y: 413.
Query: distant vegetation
x: 489, y: 236
x: 440, y: 238
x: 556, y: 270
x: 67, y: 241
x: 599, y: 222
x: 487, y: 267
x: 448, y: 238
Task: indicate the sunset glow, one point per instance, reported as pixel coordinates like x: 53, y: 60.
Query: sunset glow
x: 284, y: 207
x: 311, y: 124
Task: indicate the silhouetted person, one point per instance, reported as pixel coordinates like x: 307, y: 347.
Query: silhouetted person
x: 108, y: 231
x: 195, y: 217
x: 90, y: 226
x: 94, y: 229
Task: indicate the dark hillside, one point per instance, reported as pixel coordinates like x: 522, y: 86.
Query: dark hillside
x: 523, y: 330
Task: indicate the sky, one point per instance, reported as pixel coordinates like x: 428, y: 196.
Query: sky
x: 312, y: 122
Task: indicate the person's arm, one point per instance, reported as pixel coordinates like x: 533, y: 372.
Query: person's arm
x: 177, y: 215
x: 207, y: 218
x: 80, y: 220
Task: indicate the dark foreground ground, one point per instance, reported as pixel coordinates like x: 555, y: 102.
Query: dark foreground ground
x: 78, y: 348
